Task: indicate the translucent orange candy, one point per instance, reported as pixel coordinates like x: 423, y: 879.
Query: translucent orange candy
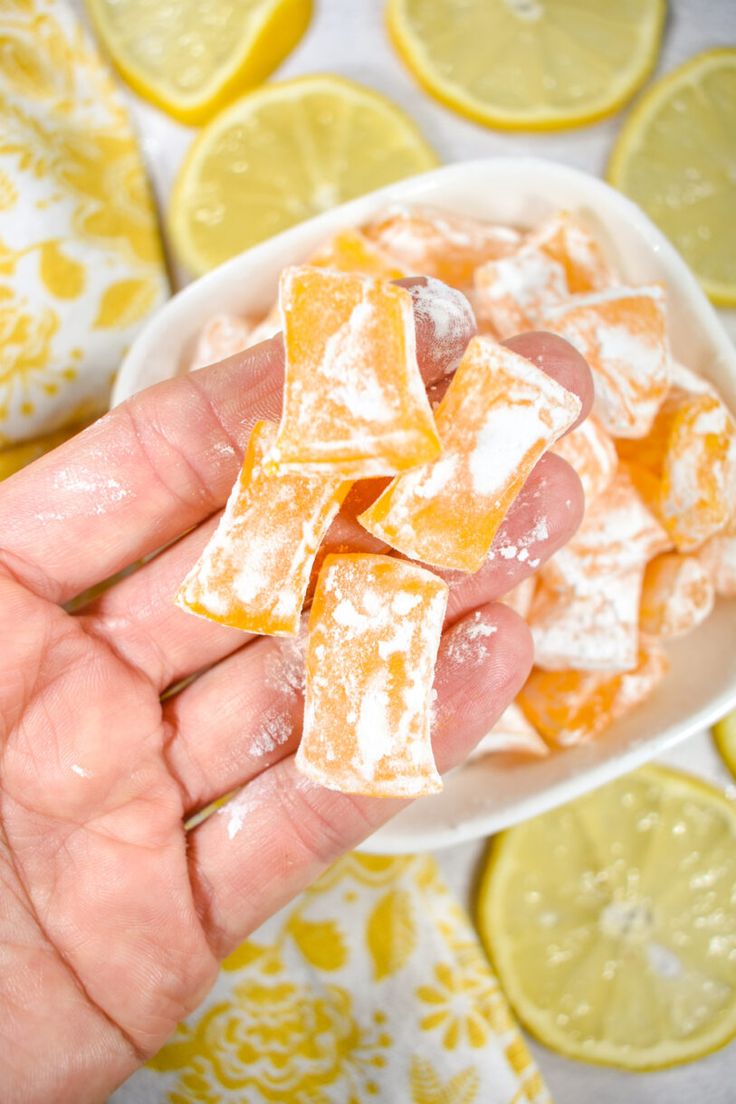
x: 520, y: 597
x: 511, y: 733
x: 686, y: 467
x: 558, y: 260
x: 596, y: 629
x: 718, y: 557
x: 677, y: 596
x: 431, y: 242
x: 592, y: 453
x: 351, y: 251
x: 510, y: 293
x: 618, y: 533
x: 586, y: 616
x: 622, y: 334
x: 253, y: 573
x: 499, y: 415
x: 354, y: 400
x: 222, y: 336
x: 374, y: 632
x: 570, y: 244
x: 572, y: 707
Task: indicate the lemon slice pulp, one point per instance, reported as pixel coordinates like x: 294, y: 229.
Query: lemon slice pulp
x: 612, y: 921
x: 281, y: 154
x: 676, y: 158
x: 529, y: 64
x: 189, y: 57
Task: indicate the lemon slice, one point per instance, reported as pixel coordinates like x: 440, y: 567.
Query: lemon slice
x: 190, y: 57
x: 724, y: 734
x: 281, y: 154
x: 612, y: 921
x: 529, y: 64
x: 676, y: 157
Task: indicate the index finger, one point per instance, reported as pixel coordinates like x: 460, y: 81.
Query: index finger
x: 166, y: 459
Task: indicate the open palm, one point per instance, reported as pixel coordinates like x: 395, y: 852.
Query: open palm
x: 112, y: 917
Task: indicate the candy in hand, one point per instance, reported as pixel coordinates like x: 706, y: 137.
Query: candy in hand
x: 374, y: 632
x: 498, y: 417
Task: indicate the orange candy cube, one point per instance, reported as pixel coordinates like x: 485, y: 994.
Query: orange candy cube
x: 596, y: 629
x: 572, y: 707
x: 568, y: 243
x: 686, y: 468
x: 677, y: 596
x: 254, y: 572
x: 222, y: 336
x: 512, y: 292
x: 560, y: 259
x: 499, y: 415
x: 592, y: 453
x: 374, y: 631
x: 351, y: 251
x: 511, y: 733
x: 618, y: 533
x: 431, y: 242
x: 622, y: 334
x: 718, y: 557
x: 354, y: 400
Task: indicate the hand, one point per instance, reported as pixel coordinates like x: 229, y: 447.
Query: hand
x: 113, y: 918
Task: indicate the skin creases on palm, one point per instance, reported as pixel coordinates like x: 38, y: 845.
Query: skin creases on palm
x: 112, y: 918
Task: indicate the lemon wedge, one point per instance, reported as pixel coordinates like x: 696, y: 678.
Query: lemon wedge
x: 189, y: 57
x: 529, y: 64
x: 612, y: 921
x: 676, y: 157
x: 724, y: 735
x: 281, y: 154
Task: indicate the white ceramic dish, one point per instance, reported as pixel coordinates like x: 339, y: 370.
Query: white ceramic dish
x: 486, y: 796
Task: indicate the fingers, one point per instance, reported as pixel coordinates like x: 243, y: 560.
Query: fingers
x: 543, y: 518
x: 281, y: 831
x: 138, y: 617
x: 560, y: 360
x: 166, y: 459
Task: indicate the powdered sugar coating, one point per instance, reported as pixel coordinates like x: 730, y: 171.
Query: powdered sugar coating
x: 499, y: 415
x: 511, y: 293
x: 622, y: 334
x: 254, y: 572
x: 590, y: 451
x: 373, y: 636
x: 447, y: 319
x: 572, y: 707
x: 432, y: 242
x: 354, y: 400
x: 677, y: 596
x: 595, y: 629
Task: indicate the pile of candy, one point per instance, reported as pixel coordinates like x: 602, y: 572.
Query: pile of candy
x: 657, y: 462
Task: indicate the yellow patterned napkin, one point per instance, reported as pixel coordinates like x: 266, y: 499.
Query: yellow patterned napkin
x: 372, y: 987
x: 80, y: 257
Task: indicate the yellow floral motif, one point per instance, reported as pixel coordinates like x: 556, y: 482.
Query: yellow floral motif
x: 279, y: 1038
x: 320, y: 942
x: 8, y: 191
x: 78, y: 233
x: 391, y: 933
x: 428, y: 1088
x: 323, y: 1006
x: 364, y: 870
x: 464, y: 1005
x: 25, y: 340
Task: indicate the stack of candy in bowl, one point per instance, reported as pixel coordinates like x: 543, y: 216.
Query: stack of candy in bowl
x: 657, y: 461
